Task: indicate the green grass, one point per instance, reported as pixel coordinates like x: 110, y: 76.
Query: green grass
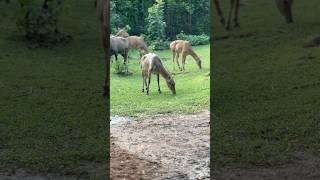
x: 266, y: 87
x: 192, y: 88
x: 52, y: 114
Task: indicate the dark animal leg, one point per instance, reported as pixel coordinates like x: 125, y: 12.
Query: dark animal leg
x: 288, y: 12
x: 178, y: 61
x: 219, y: 11
x: 158, y: 78
x: 127, y: 60
x: 184, y: 56
x: 230, y: 14
x: 173, y: 57
x: 149, y: 80
x: 236, y: 14
x: 145, y: 82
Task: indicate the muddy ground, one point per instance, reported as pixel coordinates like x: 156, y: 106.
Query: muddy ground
x: 164, y: 146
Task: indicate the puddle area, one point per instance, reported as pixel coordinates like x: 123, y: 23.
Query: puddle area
x: 178, y: 145
x: 118, y: 120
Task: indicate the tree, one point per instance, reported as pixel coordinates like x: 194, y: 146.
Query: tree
x: 156, y: 25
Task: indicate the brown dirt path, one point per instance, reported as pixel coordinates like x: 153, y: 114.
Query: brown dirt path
x: 169, y: 147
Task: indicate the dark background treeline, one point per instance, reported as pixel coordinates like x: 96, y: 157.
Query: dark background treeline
x: 189, y: 16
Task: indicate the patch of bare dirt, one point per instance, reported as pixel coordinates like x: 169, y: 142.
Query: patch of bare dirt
x: 124, y: 165
x: 169, y: 147
x: 303, y: 167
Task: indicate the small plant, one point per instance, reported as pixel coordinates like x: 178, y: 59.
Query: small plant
x: 38, y: 22
x: 194, y: 39
x: 120, y: 68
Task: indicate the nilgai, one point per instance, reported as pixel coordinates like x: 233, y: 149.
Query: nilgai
x: 151, y: 63
x: 184, y: 48
x: 135, y: 42
x: 119, y: 45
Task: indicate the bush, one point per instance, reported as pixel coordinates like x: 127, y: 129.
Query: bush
x: 119, y: 67
x: 156, y: 27
x: 38, y: 22
x: 159, y: 44
x: 194, y: 39
x: 155, y: 21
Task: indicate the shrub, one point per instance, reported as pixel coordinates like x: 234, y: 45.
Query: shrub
x: 194, y: 39
x: 38, y: 22
x: 119, y: 67
x: 156, y: 26
x: 159, y: 44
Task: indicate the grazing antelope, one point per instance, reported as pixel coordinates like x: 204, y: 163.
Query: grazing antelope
x: 103, y: 16
x: 184, y: 48
x: 119, y: 45
x: 151, y: 63
x: 135, y: 42
x: 284, y: 7
x: 122, y: 33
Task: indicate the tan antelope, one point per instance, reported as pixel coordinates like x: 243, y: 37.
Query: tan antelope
x: 151, y: 63
x: 284, y: 7
x: 122, y: 33
x: 103, y: 16
x: 184, y: 48
x: 135, y: 42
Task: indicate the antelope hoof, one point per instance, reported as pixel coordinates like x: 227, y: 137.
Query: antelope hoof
x: 159, y: 91
x: 143, y: 90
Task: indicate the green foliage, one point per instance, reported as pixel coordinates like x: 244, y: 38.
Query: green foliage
x: 115, y: 19
x: 156, y: 25
x: 159, y: 44
x: 6, y: 1
x: 194, y: 39
x: 119, y: 67
x: 191, y: 16
x: 38, y: 22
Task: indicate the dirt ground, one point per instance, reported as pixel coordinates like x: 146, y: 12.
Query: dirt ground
x: 164, y: 146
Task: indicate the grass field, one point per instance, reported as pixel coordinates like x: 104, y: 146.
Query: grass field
x: 266, y: 86
x: 192, y: 86
x: 52, y: 114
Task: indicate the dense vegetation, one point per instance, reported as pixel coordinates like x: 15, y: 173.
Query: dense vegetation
x: 191, y: 17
